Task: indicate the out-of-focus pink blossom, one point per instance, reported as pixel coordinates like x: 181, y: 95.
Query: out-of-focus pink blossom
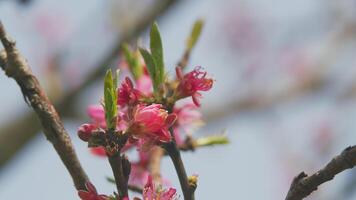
x: 144, y: 84
x: 139, y: 170
x: 97, y: 114
x: 151, y: 122
x: 85, y: 131
x: 187, y: 114
x: 91, y: 193
x: 150, y: 192
x: 191, y: 83
x: 187, y: 117
x: 127, y: 94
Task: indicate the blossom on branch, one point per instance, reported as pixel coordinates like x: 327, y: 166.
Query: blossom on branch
x: 85, y: 131
x: 150, y: 192
x: 191, y: 83
x: 151, y: 122
x: 127, y: 94
x: 188, y: 118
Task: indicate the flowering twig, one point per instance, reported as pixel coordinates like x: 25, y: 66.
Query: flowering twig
x: 303, y: 185
x: 25, y: 128
x: 16, y: 67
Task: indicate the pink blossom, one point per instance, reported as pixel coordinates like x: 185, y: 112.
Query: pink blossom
x: 187, y: 114
x: 91, y: 193
x: 188, y: 117
x: 139, y: 170
x: 151, y: 122
x: 97, y: 114
x: 144, y: 84
x: 191, y: 83
x: 150, y: 192
x: 127, y: 94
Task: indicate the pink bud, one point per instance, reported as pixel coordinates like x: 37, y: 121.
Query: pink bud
x: 85, y: 131
x: 127, y: 95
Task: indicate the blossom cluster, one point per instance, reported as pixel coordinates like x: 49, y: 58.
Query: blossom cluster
x: 142, y: 113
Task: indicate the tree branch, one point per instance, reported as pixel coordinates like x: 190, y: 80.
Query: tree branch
x: 17, y: 68
x: 121, y: 169
x: 174, y: 154
x: 303, y: 185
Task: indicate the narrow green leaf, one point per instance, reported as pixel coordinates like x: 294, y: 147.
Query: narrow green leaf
x: 110, y: 99
x: 132, y: 59
x: 151, y: 66
x: 195, y: 34
x: 157, y: 53
x: 212, y: 140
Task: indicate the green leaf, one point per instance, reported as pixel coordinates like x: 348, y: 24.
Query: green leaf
x: 132, y: 59
x: 110, y: 99
x: 195, y: 34
x: 151, y: 66
x: 157, y: 53
x: 212, y: 140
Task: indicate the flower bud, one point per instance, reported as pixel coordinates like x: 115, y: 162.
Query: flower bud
x: 85, y: 131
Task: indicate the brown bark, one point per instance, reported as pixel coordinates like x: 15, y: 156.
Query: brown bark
x: 16, y: 67
x: 303, y: 185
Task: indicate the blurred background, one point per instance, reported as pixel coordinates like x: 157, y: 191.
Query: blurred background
x: 285, y: 89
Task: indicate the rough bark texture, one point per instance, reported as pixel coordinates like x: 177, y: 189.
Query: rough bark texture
x: 16, y: 67
x: 303, y: 185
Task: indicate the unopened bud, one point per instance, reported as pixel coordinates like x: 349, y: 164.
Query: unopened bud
x: 85, y: 131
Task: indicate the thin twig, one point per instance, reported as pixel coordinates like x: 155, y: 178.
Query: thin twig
x: 134, y: 188
x: 17, y: 68
x: 183, y: 62
x: 174, y: 154
x: 121, y: 170
x: 303, y: 185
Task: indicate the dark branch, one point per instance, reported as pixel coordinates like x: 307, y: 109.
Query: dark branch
x: 121, y: 169
x: 174, y: 154
x: 17, y: 68
x: 303, y: 185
